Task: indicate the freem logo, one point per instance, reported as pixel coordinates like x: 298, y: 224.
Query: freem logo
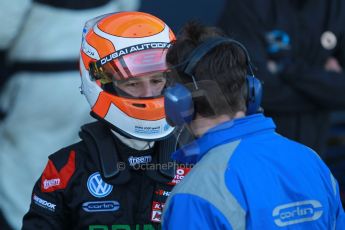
x: 51, y: 183
x: 297, y: 212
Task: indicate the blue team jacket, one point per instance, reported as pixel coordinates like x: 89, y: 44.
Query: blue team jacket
x: 250, y: 177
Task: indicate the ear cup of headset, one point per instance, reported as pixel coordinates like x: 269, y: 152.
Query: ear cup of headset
x: 178, y: 104
x: 254, y: 94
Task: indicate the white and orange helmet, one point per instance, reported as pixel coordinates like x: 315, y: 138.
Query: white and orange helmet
x: 120, y: 46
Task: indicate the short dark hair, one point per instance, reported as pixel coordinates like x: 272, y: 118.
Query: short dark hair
x: 226, y: 64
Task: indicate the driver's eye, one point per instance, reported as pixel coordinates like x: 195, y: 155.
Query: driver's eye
x: 157, y: 81
x: 131, y: 84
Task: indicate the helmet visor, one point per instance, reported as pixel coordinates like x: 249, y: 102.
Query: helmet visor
x: 139, y: 74
x: 134, y: 61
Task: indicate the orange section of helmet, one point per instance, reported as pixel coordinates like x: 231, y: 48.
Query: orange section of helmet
x: 102, y: 45
x: 153, y: 110
x: 86, y: 59
x: 171, y: 35
x: 131, y: 25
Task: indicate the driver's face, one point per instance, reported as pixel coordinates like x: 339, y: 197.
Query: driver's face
x: 147, y: 86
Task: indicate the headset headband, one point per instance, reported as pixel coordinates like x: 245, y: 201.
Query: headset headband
x: 200, y: 51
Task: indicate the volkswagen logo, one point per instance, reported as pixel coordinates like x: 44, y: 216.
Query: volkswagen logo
x: 97, y: 187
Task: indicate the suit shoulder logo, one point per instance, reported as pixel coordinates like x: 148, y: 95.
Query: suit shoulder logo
x: 52, y: 179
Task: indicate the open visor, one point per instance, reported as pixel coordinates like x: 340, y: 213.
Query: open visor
x: 135, y: 61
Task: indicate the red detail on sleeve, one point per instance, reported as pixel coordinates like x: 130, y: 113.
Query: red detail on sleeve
x: 52, y: 180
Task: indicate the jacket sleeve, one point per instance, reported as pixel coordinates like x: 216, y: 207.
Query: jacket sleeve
x: 340, y: 221
x: 186, y: 211
x: 300, y: 86
x: 48, y: 209
x: 339, y: 215
x: 45, y: 211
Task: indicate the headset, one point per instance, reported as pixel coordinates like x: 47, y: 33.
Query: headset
x: 179, y: 100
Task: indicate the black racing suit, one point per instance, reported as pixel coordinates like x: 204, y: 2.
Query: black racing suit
x: 101, y: 183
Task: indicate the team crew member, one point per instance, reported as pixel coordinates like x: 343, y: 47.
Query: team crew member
x: 120, y: 174
x: 246, y: 176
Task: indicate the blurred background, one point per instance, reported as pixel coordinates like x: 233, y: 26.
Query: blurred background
x: 41, y: 108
